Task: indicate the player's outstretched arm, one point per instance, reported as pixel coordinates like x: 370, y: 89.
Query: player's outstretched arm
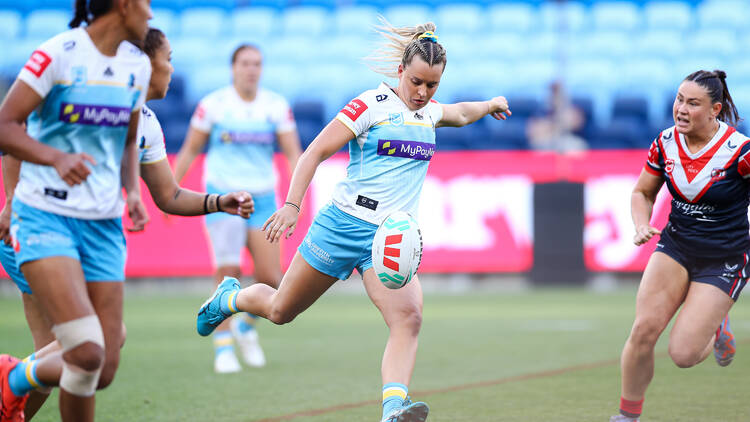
x: 462, y: 114
x: 172, y: 199
x: 642, y: 205
x: 331, y: 139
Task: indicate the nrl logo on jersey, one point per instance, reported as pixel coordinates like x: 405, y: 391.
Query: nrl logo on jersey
x: 669, y: 165
x: 396, y: 119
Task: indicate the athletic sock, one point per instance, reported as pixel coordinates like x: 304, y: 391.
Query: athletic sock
x: 394, y: 395
x: 23, y: 379
x: 228, y: 302
x: 247, y: 322
x: 630, y: 408
x: 30, y: 357
x: 223, y: 342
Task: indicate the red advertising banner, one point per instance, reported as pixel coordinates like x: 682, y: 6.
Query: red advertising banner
x: 476, y: 213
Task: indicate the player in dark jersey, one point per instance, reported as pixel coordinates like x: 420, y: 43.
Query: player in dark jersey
x: 700, y: 262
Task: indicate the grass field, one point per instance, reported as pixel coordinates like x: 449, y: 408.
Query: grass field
x: 540, y: 355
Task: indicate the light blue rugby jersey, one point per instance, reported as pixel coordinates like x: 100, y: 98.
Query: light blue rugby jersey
x: 87, y: 103
x: 241, y: 138
x: 389, y: 157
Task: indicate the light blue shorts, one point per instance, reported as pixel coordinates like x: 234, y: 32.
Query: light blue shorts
x: 265, y: 206
x: 338, y: 242
x: 99, y: 245
x: 8, y: 259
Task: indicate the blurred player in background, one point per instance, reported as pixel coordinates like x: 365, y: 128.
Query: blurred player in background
x: 82, y: 92
x: 241, y: 123
x: 157, y: 175
x: 340, y: 238
x: 700, y: 261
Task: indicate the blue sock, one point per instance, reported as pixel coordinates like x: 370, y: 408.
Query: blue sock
x: 30, y: 357
x: 247, y: 323
x: 394, y: 395
x: 23, y: 379
x: 223, y: 342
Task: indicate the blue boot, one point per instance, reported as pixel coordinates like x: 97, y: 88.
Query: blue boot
x: 220, y: 306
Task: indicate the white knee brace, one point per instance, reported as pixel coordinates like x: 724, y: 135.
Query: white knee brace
x: 71, y: 334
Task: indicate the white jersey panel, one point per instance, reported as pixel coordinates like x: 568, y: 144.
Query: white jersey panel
x: 150, y: 138
x: 242, y: 135
x: 88, y: 99
x: 389, y: 157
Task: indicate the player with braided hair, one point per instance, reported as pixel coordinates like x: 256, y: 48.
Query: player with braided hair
x: 394, y: 139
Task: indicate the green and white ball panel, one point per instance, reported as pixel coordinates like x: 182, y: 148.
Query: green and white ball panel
x: 397, y: 250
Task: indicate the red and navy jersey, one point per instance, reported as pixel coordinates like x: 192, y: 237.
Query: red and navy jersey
x: 709, y: 190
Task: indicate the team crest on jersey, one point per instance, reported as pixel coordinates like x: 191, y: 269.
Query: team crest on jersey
x: 79, y: 75
x: 718, y: 174
x: 669, y: 165
x: 396, y: 119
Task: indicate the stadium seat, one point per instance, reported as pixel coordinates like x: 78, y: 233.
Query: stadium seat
x: 608, y: 45
x: 354, y: 20
x: 206, y: 79
x: 227, y: 5
x: 452, y: 138
x: 298, y: 50
x: 611, y: 15
x: 463, y: 18
x: 671, y: 15
x: 690, y: 64
x: 408, y: 14
x: 10, y: 24
x: 509, y: 134
x: 524, y: 107
x: 283, y: 79
x: 205, y: 22
x: 19, y: 6
x: 633, y: 107
x: 568, y: 16
x: 189, y: 52
x: 665, y: 44
x: 532, y: 77
x: 174, y: 133
x: 342, y: 49
x: 621, y: 133
x: 305, y: 21
x: 715, y: 41
x: 66, y: 5
x: 725, y: 14
x: 510, y: 17
x: 586, y: 106
x: 175, y: 5
x: 310, y: 118
x: 253, y: 22
x: 46, y: 23
x: 166, y: 20
x: 741, y: 97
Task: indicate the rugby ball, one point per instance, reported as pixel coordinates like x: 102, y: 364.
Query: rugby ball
x: 397, y: 250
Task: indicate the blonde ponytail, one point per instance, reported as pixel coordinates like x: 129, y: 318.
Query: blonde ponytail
x: 402, y: 44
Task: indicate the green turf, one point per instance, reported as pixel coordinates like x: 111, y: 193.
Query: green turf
x: 498, y: 351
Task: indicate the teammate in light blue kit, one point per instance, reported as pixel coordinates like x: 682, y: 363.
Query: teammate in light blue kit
x: 394, y: 140
x: 241, y: 123
x: 84, y: 90
x: 157, y: 175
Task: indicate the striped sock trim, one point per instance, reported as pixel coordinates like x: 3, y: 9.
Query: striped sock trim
x: 29, y: 358
x: 31, y: 375
x: 232, y: 302
x: 631, y: 408
x: 394, y: 389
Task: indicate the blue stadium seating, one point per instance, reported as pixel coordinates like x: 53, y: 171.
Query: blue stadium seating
x: 465, y: 18
x: 672, y: 15
x: 10, y: 24
x: 166, y: 20
x: 253, y: 22
x: 408, y: 14
x: 724, y: 14
x: 310, y: 118
x: 611, y: 15
x: 510, y: 17
x: 46, y: 23
x: 305, y: 21
x: 566, y: 16
x: 356, y: 20
x: 206, y: 22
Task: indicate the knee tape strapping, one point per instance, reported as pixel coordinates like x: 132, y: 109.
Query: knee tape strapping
x: 78, y: 381
x: 78, y: 331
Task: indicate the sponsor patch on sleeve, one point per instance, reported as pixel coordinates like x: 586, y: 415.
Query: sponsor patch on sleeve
x: 354, y: 109
x: 38, y: 63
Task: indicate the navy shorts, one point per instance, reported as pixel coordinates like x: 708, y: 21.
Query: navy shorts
x: 730, y: 273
